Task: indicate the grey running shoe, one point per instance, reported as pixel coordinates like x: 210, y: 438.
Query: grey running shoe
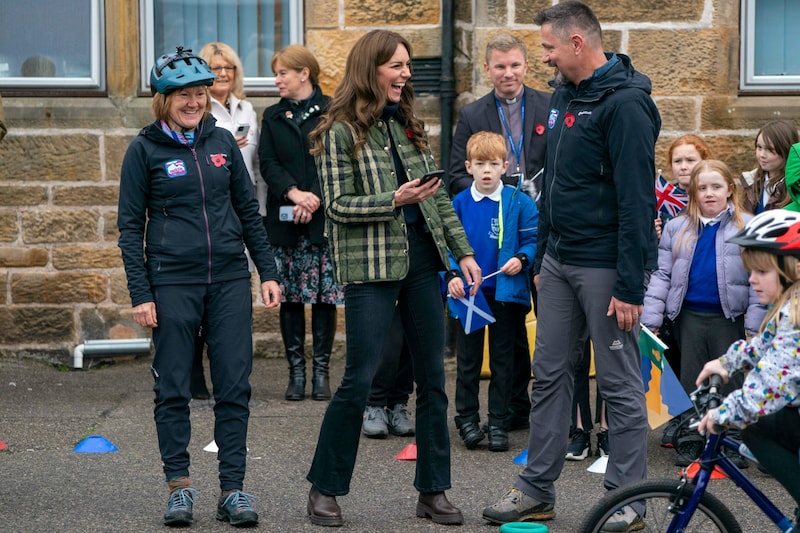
x: 237, y: 509
x: 623, y: 521
x: 399, y: 424
x: 179, y: 507
x: 516, y: 506
x: 375, y: 425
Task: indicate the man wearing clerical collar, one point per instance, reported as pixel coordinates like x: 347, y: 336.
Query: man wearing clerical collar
x: 515, y: 111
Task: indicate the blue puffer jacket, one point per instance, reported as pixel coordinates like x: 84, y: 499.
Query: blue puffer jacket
x: 668, y: 284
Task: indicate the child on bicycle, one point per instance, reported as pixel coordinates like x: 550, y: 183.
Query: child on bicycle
x: 767, y: 405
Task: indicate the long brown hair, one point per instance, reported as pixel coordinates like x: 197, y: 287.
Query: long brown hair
x: 780, y: 134
x: 359, y: 99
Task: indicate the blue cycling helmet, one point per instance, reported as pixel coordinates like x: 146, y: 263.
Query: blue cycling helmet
x: 181, y: 69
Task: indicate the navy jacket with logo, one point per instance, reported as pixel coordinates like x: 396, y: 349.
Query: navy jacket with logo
x: 194, y: 210
x: 598, y: 199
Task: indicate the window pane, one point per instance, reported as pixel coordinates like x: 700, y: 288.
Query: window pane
x: 768, y: 59
x: 776, y: 21
x: 254, y: 28
x: 34, y: 49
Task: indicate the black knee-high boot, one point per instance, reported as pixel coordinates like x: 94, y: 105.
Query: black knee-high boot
x: 293, y: 331
x: 323, y: 329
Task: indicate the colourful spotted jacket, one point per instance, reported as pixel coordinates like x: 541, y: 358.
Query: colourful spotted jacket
x: 772, y: 381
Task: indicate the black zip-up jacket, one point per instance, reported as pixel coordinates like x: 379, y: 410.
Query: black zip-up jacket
x: 598, y: 199
x: 194, y: 210
x: 283, y: 152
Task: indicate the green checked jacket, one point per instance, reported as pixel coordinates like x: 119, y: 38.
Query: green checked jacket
x: 366, y: 233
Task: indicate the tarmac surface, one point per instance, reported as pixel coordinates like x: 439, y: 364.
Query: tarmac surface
x: 46, y: 486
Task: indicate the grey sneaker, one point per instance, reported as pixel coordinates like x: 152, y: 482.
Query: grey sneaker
x: 237, y: 509
x: 376, y: 422
x: 399, y: 424
x: 179, y: 507
x: 624, y: 521
x: 516, y: 506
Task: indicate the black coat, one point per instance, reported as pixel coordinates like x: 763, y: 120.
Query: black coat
x: 481, y: 115
x: 283, y: 151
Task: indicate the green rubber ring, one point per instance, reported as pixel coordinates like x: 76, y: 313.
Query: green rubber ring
x: 523, y: 527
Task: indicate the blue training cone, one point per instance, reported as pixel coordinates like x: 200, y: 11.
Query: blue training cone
x: 522, y: 458
x: 94, y: 444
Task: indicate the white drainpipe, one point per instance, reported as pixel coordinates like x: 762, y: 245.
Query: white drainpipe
x: 108, y: 347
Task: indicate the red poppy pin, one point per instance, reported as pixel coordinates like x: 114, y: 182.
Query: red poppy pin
x: 539, y: 129
x: 569, y: 119
x: 218, y: 160
x: 409, y: 134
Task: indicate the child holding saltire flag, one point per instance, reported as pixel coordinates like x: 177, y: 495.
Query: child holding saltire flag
x: 501, y: 224
x: 663, y: 392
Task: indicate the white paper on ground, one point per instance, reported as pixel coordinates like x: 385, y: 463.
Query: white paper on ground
x: 599, y: 466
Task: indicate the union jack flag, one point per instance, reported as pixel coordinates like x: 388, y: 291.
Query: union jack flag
x: 670, y: 200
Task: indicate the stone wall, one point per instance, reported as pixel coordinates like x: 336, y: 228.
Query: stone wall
x: 60, y: 268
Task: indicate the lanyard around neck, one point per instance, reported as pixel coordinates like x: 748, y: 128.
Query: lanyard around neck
x: 516, y: 148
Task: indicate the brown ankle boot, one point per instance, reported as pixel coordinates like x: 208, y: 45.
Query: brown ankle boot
x: 323, y: 510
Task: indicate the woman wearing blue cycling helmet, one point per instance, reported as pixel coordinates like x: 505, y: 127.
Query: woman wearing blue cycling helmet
x: 186, y: 212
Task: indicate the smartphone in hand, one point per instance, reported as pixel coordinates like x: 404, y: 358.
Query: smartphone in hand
x: 434, y: 174
x: 242, y: 130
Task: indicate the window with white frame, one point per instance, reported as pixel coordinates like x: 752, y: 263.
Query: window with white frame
x: 51, y: 44
x: 254, y: 28
x: 769, y: 57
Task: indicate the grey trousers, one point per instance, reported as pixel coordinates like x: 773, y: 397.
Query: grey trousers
x: 573, y: 302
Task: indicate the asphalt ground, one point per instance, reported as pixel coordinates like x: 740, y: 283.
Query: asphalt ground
x: 45, y: 486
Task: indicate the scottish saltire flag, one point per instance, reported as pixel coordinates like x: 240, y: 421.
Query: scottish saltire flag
x: 670, y: 200
x: 472, y: 311
x: 663, y: 392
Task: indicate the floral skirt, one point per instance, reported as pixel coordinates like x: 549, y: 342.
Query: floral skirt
x: 306, y: 273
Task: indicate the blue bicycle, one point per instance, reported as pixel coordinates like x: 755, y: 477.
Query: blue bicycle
x: 684, y: 505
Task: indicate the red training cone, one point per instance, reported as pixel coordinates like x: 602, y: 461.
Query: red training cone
x: 409, y: 453
x: 3, y: 446
x: 692, y: 469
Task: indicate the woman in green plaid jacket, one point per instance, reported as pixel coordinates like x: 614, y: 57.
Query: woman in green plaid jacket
x: 389, y: 235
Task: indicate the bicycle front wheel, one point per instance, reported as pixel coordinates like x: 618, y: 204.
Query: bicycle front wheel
x: 662, y: 498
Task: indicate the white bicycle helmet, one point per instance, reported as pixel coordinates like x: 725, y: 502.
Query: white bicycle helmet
x: 181, y: 69
x: 776, y: 231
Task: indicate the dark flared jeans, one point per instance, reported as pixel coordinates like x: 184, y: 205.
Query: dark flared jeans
x: 369, y: 308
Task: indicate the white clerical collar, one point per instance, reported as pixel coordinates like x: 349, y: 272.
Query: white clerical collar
x: 495, y: 196
x: 510, y: 101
